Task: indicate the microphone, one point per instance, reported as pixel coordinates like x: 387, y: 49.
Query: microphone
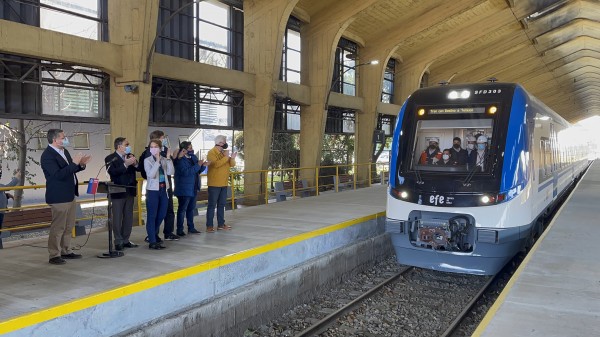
x: 115, y: 158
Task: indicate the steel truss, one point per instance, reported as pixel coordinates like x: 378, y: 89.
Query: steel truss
x: 50, y: 73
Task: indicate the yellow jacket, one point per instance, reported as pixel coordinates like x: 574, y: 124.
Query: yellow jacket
x: 218, y: 170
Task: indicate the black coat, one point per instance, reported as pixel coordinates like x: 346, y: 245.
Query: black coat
x: 121, y: 175
x: 60, y: 184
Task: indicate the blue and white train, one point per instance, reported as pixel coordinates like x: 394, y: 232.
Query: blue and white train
x: 473, y: 214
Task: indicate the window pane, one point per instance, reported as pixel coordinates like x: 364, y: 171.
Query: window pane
x: 61, y: 101
x: 215, y: 12
x: 213, y: 37
x: 293, y: 41
x: 385, y: 98
x: 387, y: 87
x: 69, y: 24
x: 293, y: 59
x: 349, y: 89
x: 293, y: 121
x: 211, y: 114
x: 214, y: 58
x: 293, y: 77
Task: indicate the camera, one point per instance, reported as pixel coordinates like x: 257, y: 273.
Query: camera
x: 131, y: 88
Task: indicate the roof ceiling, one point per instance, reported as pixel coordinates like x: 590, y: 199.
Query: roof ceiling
x: 552, y: 47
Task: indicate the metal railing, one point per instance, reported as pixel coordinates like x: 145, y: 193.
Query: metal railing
x: 248, y: 187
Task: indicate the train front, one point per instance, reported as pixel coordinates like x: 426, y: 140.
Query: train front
x: 451, y: 205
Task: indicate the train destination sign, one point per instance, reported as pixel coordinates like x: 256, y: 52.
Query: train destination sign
x: 460, y: 110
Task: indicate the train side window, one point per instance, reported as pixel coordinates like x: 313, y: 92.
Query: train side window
x: 545, y: 158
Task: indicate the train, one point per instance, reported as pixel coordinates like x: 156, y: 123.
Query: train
x: 475, y: 171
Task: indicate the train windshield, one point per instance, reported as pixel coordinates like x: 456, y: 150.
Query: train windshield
x: 452, y: 145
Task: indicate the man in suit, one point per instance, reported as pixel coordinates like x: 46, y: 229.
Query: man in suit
x: 61, y: 188
x: 122, y: 166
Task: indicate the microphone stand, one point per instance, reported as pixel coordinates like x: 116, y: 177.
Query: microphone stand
x: 111, y: 253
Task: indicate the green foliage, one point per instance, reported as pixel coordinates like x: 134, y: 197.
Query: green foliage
x: 337, y: 150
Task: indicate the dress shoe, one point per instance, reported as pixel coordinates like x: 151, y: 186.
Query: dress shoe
x: 57, y: 260
x: 119, y: 247
x: 130, y: 245
x: 193, y: 231
x: 71, y: 256
x: 171, y: 237
x: 156, y: 246
x: 181, y: 234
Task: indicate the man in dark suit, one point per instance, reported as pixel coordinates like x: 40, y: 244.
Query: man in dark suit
x: 61, y: 188
x: 122, y: 166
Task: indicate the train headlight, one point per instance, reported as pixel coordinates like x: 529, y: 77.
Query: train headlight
x: 421, y: 112
x: 492, y: 110
x: 465, y: 94
x: 453, y: 94
x: 485, y: 199
x: 403, y: 195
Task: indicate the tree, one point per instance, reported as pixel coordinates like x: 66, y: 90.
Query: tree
x: 19, y: 141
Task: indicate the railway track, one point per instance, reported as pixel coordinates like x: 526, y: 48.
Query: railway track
x: 433, y: 304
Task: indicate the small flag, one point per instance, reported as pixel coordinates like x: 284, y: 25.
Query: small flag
x: 92, y: 186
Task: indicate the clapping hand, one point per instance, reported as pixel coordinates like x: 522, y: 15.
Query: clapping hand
x: 81, y: 159
x: 130, y: 161
x: 233, y: 155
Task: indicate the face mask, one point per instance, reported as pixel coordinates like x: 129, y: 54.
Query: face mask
x: 456, y: 146
x: 154, y: 150
x: 446, y: 157
x: 470, y: 146
x: 65, y: 142
x: 225, y: 146
x: 127, y: 149
x: 480, y: 146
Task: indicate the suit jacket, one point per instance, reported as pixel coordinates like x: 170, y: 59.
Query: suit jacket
x: 61, y: 180
x: 121, y: 175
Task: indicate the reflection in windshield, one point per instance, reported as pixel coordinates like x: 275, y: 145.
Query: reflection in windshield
x: 452, y: 145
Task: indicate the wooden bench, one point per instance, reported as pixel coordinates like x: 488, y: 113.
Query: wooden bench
x: 343, y: 182
x: 25, y: 220
x: 284, y: 189
x: 35, y: 219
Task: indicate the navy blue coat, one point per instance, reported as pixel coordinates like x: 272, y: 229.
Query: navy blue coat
x: 60, y: 184
x: 187, y: 179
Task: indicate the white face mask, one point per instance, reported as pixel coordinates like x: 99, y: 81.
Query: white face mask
x: 446, y: 157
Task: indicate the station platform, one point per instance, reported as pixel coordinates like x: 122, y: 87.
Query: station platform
x: 169, y: 292
x: 556, y: 289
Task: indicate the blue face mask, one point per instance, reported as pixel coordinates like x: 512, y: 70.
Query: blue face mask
x: 480, y: 146
x: 127, y: 149
x: 65, y: 142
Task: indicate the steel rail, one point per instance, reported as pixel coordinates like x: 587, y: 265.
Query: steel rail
x: 323, y: 324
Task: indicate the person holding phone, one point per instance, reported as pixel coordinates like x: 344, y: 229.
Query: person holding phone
x: 220, y: 162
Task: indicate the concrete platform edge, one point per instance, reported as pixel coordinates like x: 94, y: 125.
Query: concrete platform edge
x: 156, y: 300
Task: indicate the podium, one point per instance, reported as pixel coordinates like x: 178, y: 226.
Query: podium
x: 110, y: 188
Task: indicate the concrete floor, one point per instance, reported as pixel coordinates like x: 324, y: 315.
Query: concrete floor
x: 30, y: 283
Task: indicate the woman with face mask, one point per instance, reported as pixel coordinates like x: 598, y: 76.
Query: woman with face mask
x: 157, y: 169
